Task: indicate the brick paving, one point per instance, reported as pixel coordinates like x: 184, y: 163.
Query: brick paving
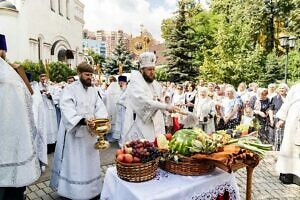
x: 265, y: 183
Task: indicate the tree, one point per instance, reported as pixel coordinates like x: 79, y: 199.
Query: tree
x: 120, y: 55
x: 98, y: 59
x: 247, y: 34
x: 36, y: 69
x: 161, y: 74
x: 59, y: 71
x: 273, y: 70
x: 234, y: 41
x: 180, y: 47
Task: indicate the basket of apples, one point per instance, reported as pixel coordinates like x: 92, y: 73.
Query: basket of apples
x: 137, y: 161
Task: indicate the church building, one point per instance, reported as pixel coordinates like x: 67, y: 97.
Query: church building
x: 43, y: 30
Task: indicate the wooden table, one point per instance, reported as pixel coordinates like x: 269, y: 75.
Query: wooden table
x: 234, y: 158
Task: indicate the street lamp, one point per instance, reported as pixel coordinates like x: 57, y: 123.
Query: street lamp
x: 287, y: 42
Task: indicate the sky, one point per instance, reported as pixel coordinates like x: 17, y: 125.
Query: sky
x: 128, y: 15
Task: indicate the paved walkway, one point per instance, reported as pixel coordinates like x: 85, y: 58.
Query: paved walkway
x: 265, y: 182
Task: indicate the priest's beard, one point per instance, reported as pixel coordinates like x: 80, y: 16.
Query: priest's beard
x: 148, y: 79
x: 86, y: 82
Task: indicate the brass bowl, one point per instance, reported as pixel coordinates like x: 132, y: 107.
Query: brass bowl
x: 102, y: 126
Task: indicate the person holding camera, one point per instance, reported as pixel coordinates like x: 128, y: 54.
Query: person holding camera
x: 205, y: 111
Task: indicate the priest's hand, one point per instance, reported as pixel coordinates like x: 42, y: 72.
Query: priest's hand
x: 171, y: 108
x: 90, y: 123
x: 280, y: 124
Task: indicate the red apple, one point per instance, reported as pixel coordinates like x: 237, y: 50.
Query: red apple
x: 136, y: 160
x: 128, y: 158
x: 121, y: 157
x: 119, y: 151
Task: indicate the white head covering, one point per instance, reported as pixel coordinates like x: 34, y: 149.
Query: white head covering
x: 147, y: 59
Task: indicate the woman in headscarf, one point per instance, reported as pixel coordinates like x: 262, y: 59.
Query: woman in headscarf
x: 261, y: 111
x: 229, y: 108
x: 276, y: 103
x: 205, y: 111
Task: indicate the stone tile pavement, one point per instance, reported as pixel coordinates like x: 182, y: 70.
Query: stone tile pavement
x: 265, y: 183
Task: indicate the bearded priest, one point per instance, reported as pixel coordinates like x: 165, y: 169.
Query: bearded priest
x: 76, y: 165
x: 144, y: 103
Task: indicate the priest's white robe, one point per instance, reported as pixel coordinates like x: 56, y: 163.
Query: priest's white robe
x: 113, y: 94
x: 76, y: 165
x: 39, y: 120
x: 19, y: 165
x: 143, y: 117
x: 121, y: 110
x: 289, y: 156
x: 50, y: 125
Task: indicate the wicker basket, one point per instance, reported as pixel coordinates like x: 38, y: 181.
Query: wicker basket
x: 137, y: 172
x: 188, y: 167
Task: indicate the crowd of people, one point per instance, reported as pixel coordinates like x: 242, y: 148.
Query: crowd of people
x: 58, y: 118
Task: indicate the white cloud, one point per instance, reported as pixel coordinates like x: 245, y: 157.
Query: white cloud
x: 127, y: 15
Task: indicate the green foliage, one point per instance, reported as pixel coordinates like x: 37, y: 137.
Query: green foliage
x: 273, y: 70
x: 294, y: 66
x: 59, y: 71
x: 34, y: 68
x: 161, y: 73
x: 233, y: 42
x: 120, y: 55
x: 180, y: 46
x: 98, y: 59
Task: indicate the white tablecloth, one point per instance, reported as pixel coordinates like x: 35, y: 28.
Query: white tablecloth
x: 168, y: 186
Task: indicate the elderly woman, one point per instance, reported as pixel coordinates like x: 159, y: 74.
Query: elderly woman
x: 276, y: 103
x: 271, y: 91
x: 261, y: 110
x: 243, y: 92
x: 205, y: 111
x: 229, y: 108
x: 211, y: 89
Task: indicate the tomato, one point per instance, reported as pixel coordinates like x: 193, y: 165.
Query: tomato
x: 169, y: 136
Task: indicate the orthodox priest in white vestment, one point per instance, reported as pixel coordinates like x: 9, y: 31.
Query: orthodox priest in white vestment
x: 113, y: 94
x: 288, y: 162
x: 50, y: 125
x: 76, y: 165
x: 144, y: 103
x: 19, y: 165
x: 40, y: 120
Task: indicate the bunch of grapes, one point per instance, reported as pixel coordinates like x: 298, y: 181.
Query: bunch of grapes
x: 144, y: 150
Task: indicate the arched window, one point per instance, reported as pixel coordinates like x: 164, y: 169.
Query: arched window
x: 52, y: 5
x: 67, y: 9
x: 59, y: 7
x: 40, y: 46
